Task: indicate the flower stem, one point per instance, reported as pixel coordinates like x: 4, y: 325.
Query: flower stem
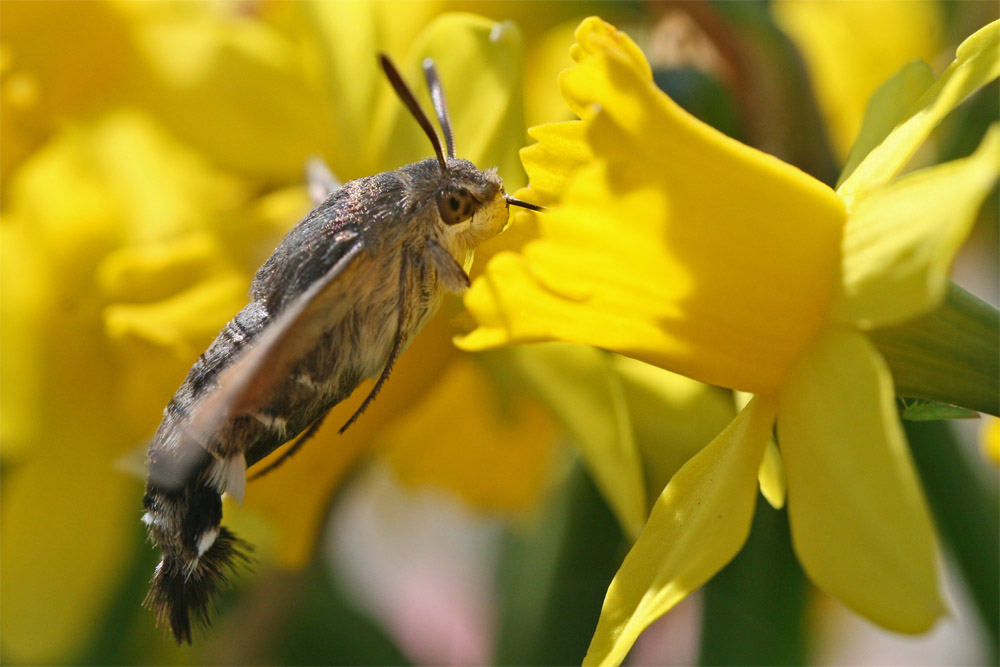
x: 950, y: 355
x: 965, y: 512
x: 753, y: 611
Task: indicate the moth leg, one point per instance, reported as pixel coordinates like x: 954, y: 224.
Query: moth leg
x: 397, y: 344
x: 393, y: 355
x: 450, y: 272
x: 288, y: 453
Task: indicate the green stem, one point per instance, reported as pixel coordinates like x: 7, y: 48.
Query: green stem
x: 554, y: 577
x: 966, y: 516
x: 949, y: 355
x: 753, y: 611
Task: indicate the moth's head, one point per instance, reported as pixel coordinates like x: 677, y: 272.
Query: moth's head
x: 471, y: 203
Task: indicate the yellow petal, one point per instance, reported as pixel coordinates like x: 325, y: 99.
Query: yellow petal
x: 977, y: 62
x: 579, y: 386
x: 234, y: 86
x: 494, y: 452
x: 771, y: 475
x: 705, y: 304
x: 69, y: 525
x: 186, y: 322
x: 860, y: 524
x: 479, y: 63
x: 635, y: 424
x: 900, y: 241
x: 673, y: 417
x: 400, y: 23
x: 560, y: 149
x: 989, y: 439
x: 595, y: 39
x: 23, y: 328
x: 547, y: 57
x: 93, y: 193
x: 93, y: 216
x: 119, y: 179
x: 849, y: 51
x: 56, y: 61
x: 644, y: 257
x: 886, y: 108
x: 698, y: 524
x: 150, y: 271
x: 348, y: 35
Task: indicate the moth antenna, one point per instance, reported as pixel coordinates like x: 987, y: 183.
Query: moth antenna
x: 406, y: 95
x: 440, y: 104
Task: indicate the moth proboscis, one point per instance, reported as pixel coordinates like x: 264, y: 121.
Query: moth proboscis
x: 337, y: 302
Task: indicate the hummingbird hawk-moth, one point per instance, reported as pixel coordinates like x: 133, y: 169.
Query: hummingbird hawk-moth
x: 339, y: 300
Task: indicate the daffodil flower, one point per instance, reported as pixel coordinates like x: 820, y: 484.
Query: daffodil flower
x: 673, y: 244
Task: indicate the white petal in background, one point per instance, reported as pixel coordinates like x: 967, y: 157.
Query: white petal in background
x: 844, y: 638
x: 421, y: 564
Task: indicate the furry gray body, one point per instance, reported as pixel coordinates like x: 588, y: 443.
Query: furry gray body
x: 386, y: 232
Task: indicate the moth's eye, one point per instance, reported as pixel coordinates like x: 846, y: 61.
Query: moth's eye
x: 456, y: 204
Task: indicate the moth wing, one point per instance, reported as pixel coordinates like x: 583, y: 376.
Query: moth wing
x: 249, y: 382
x: 320, y: 180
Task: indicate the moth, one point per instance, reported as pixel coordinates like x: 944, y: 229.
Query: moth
x: 339, y: 300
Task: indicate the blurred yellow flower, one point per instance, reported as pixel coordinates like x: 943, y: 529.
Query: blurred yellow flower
x: 80, y: 215
x: 674, y: 244
x: 852, y: 46
x: 44, y: 79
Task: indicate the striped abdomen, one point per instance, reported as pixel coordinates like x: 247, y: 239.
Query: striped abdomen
x: 183, y: 489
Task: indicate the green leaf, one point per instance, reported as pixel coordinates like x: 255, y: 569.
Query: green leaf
x: 322, y: 626
x: 929, y: 411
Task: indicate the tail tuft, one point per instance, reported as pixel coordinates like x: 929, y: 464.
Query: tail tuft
x: 183, y: 588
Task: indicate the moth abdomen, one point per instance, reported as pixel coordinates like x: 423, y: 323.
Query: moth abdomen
x: 236, y: 335
x: 198, y: 553
x: 183, y: 586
